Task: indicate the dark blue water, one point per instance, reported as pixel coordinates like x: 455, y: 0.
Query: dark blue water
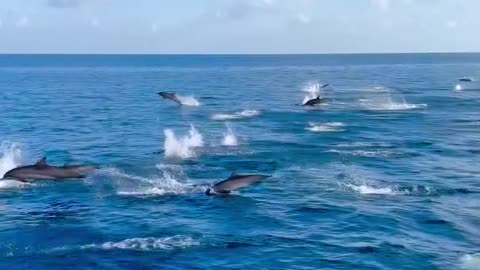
x: 385, y: 176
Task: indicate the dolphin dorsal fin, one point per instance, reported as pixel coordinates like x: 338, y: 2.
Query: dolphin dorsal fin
x: 42, y: 162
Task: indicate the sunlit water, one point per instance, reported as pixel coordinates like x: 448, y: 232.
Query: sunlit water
x: 385, y: 176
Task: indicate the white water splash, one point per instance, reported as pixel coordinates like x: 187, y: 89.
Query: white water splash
x: 147, y: 244
x: 137, y: 244
x: 370, y: 190
x: 458, y: 88
x: 13, y: 184
x: 470, y: 261
x: 229, y: 138
x: 326, y: 127
x: 167, y: 183
x: 235, y: 116
x: 382, y: 99
x: 10, y: 157
x: 313, y: 90
x: 182, y: 147
x: 188, y: 101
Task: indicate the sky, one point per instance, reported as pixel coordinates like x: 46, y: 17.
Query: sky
x: 239, y: 26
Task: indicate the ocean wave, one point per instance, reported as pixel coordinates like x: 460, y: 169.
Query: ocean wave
x: 326, y: 127
x: 236, y: 116
x: 229, y: 137
x: 182, y: 148
x: 470, y: 261
x: 188, y: 101
x: 11, y: 155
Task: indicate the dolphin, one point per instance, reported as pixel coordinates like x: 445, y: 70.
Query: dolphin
x: 171, y: 96
x: 42, y: 171
x: 235, y: 181
x: 315, y: 102
x: 465, y: 79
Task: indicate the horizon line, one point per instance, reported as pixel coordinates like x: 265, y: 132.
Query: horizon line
x: 240, y: 54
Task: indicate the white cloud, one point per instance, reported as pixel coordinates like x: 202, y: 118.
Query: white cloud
x: 63, y: 3
x: 303, y: 18
x: 154, y: 28
x: 451, y: 24
x: 22, y: 22
x: 94, y: 22
x: 381, y: 4
x: 238, y: 10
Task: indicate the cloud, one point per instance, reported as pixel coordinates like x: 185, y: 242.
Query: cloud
x: 451, y: 24
x: 64, y: 3
x: 381, y: 4
x: 303, y: 18
x: 243, y: 9
x: 22, y: 22
x: 73, y: 3
x: 94, y: 22
x: 154, y: 27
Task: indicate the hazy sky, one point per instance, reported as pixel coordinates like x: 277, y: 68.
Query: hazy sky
x: 238, y: 26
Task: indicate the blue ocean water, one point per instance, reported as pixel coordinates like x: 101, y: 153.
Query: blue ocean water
x: 385, y: 176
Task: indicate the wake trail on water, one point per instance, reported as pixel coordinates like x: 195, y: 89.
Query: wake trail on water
x: 381, y: 98
x: 235, y: 116
x: 188, y: 101
x: 182, y: 148
x: 137, y: 244
x: 326, y: 127
x: 169, y: 181
x: 229, y: 137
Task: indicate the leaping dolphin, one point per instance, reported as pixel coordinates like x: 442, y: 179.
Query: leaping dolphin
x: 171, y: 96
x: 42, y: 171
x: 315, y: 102
x: 235, y: 181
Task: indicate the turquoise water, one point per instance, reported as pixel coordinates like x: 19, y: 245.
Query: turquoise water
x: 385, y: 176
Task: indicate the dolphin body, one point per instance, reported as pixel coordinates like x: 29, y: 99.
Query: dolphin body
x: 170, y: 96
x: 42, y: 171
x: 235, y: 181
x: 315, y: 102
x: 465, y: 79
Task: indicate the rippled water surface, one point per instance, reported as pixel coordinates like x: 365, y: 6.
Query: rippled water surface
x: 383, y: 176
